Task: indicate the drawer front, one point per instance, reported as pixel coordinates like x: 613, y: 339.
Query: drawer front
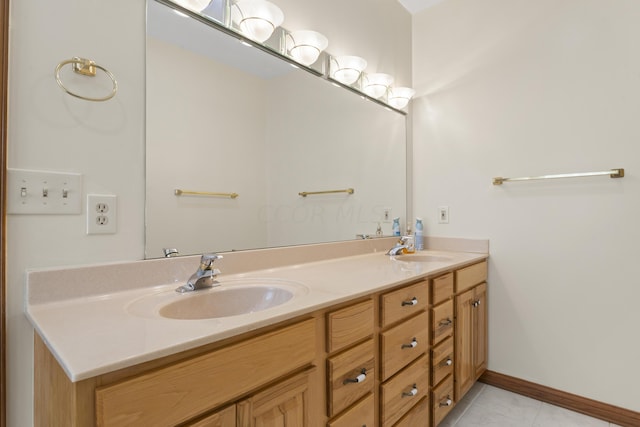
x: 442, y: 360
x: 442, y: 400
x: 360, y: 415
x: 442, y: 317
x: 403, y: 303
x: 179, y: 392
x: 417, y: 416
x: 222, y: 418
x: 349, y: 325
x: 404, y: 343
x: 470, y: 276
x: 441, y: 288
x: 404, y: 391
x: 351, y: 376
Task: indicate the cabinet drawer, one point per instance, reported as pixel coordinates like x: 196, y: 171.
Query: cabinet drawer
x: 222, y: 418
x: 361, y: 414
x: 442, y: 359
x: 470, y: 276
x: 442, y: 317
x: 179, y: 392
x: 403, y: 303
x: 402, y: 392
x: 442, y: 400
x: 441, y: 288
x: 351, y: 376
x: 404, y: 343
x: 349, y: 325
x: 417, y: 416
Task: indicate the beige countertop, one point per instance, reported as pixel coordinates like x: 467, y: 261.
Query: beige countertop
x: 99, y: 329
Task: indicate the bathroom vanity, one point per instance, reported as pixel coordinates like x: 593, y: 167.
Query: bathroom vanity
x: 373, y: 340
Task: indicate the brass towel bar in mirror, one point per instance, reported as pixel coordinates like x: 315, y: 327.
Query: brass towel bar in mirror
x: 307, y: 193
x: 613, y: 173
x: 179, y: 192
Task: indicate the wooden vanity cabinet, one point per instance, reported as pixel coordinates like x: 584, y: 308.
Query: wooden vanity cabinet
x: 471, y: 326
x: 396, y: 358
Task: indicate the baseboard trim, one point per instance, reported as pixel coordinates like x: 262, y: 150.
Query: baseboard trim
x: 593, y: 408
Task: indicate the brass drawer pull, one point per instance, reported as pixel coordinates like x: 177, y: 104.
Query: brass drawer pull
x: 412, y: 392
x: 412, y: 344
x: 447, y: 362
x: 446, y: 402
x: 360, y: 378
x: 413, y: 301
x: 446, y: 322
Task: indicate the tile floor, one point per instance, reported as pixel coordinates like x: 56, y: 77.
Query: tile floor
x: 487, y: 406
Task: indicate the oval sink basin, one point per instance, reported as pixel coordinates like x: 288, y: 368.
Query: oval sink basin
x: 232, y: 298
x: 226, y: 302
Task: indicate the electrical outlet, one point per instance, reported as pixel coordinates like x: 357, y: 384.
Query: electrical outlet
x: 443, y: 215
x: 101, y: 214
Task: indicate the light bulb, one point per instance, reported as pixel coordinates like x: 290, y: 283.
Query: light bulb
x: 195, y: 5
x: 399, y: 96
x: 347, y: 69
x: 375, y: 85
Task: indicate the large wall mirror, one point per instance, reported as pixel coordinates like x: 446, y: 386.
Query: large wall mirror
x: 223, y: 117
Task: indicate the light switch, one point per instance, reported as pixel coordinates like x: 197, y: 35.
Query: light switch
x: 43, y: 192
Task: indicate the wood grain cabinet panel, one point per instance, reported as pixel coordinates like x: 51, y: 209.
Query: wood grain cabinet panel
x: 418, y: 416
x: 360, y: 415
x: 402, y: 392
x: 403, y: 303
x: 442, y: 361
x: 184, y: 390
x: 442, y: 318
x: 442, y: 400
x: 441, y: 288
x: 223, y: 418
x: 404, y: 343
x: 349, y: 325
x: 351, y: 376
x: 286, y: 404
x: 471, y: 276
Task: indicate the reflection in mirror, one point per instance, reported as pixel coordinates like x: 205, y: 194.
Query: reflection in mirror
x: 226, y: 118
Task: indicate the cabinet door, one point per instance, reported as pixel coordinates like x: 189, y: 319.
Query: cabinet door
x: 464, y: 366
x: 284, y: 404
x: 223, y: 418
x: 480, y: 319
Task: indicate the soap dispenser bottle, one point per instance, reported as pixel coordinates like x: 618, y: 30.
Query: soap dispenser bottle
x: 418, y: 235
x: 396, y: 226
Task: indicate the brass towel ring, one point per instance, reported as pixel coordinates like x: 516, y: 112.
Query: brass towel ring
x: 86, y: 67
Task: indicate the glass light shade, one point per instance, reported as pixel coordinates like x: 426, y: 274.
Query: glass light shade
x: 195, y: 5
x: 376, y: 84
x: 256, y: 19
x: 347, y: 69
x: 305, y: 46
x: 399, y: 96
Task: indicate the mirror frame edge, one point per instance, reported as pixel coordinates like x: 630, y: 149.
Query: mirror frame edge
x: 4, y: 63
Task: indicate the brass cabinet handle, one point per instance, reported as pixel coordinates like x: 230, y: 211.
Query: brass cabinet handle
x: 412, y: 344
x: 412, y: 392
x: 360, y: 378
x: 413, y: 301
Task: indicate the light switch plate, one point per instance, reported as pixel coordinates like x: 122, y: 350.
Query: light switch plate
x: 43, y: 192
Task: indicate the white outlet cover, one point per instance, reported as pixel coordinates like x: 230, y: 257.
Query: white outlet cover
x: 101, y: 220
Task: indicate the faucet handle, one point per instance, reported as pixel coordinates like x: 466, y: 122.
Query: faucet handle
x: 207, y: 260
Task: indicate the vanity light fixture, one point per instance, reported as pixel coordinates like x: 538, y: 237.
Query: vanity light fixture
x: 399, y: 96
x: 376, y: 84
x: 256, y: 19
x: 195, y: 5
x: 347, y: 69
x: 305, y: 46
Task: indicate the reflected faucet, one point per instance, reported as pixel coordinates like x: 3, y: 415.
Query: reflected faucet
x: 400, y: 245
x: 204, y: 277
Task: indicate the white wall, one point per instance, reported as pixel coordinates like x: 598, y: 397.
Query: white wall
x: 51, y: 130
x: 520, y: 88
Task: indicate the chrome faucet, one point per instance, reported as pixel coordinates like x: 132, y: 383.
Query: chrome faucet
x: 400, y: 245
x: 204, y: 277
